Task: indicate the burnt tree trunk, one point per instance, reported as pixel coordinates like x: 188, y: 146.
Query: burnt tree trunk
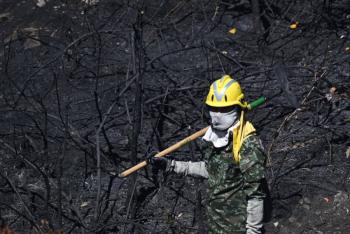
x: 256, y: 16
x: 138, y: 65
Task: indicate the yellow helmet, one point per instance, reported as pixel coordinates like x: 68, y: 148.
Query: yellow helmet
x: 225, y: 92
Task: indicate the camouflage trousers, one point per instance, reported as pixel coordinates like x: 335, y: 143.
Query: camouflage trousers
x: 227, y: 215
x: 244, y: 218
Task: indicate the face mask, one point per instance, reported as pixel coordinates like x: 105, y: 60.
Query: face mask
x: 223, y: 121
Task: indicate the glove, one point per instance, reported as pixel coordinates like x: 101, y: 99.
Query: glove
x: 159, y: 163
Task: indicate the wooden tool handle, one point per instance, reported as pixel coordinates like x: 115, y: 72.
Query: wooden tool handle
x: 165, y: 152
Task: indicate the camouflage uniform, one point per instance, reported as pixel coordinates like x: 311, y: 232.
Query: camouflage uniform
x: 230, y: 185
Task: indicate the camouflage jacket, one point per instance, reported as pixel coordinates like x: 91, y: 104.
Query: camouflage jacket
x: 230, y: 184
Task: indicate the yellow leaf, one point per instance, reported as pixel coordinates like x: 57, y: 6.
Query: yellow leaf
x: 294, y: 25
x: 233, y: 30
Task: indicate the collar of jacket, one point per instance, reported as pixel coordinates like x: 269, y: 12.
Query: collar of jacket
x: 220, y: 140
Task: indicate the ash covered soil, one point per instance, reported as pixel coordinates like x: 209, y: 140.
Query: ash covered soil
x: 89, y: 88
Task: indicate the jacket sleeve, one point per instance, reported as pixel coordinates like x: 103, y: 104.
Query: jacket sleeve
x: 196, y: 169
x: 252, y: 165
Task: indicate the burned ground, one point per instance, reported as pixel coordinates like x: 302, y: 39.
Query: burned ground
x: 89, y: 88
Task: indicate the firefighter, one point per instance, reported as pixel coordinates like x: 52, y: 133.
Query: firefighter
x: 234, y: 163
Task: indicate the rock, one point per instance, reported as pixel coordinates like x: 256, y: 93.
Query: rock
x: 347, y: 153
x: 33, y: 38
x: 31, y: 43
x: 12, y: 37
x: 306, y: 200
x: 341, y: 197
x: 84, y: 204
x: 245, y: 23
x: 306, y: 206
x: 91, y: 2
x: 292, y: 219
x: 36, y: 187
x: 4, y: 16
x: 41, y: 3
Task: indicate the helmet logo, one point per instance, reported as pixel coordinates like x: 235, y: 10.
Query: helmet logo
x: 220, y: 94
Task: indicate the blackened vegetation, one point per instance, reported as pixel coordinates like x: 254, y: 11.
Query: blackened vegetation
x: 88, y: 90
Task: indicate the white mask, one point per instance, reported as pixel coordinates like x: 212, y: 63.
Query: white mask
x: 223, y: 121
